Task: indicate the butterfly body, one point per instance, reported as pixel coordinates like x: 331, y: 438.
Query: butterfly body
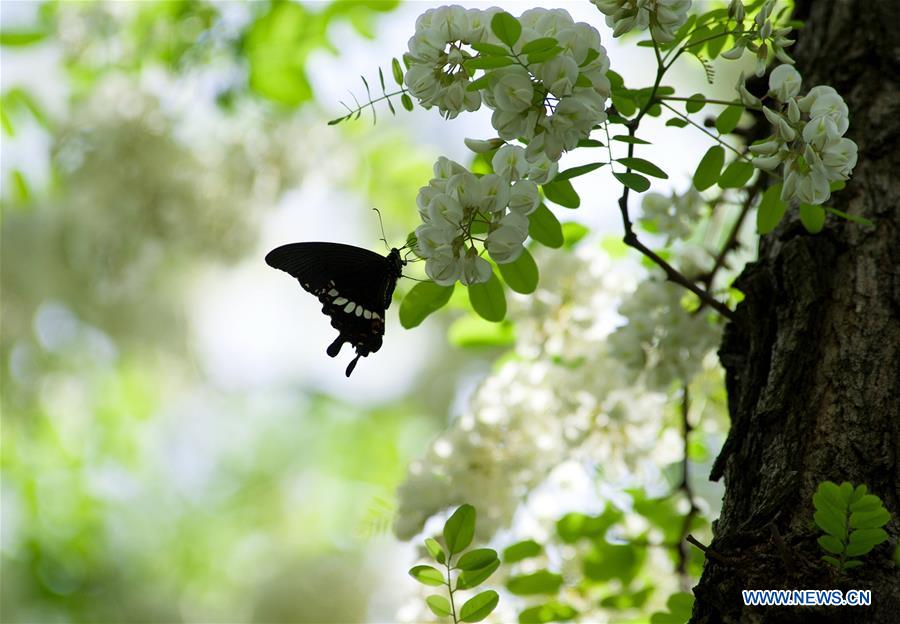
x: 354, y: 285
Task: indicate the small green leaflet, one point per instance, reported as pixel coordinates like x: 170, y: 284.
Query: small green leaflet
x: 624, y: 138
x: 477, y: 559
x: 521, y: 275
x: 540, y: 582
x: 812, y: 216
x: 710, y: 167
x: 544, y: 227
x: 849, y: 217
x: 580, y: 170
x: 771, y: 210
x: 634, y: 181
x: 435, y: 550
x: 544, y: 55
x: 522, y: 550
x: 397, y: 71
x: 736, y: 174
x: 728, y: 119
x: 474, y: 578
x: 439, y: 605
x: 423, y: 299
x: 537, y: 45
x: 695, y: 103
x: 490, y: 49
x: 562, y: 192
x: 487, y: 62
x: 677, y: 122
x: 489, y: 302
x: 460, y: 527
x: 573, y: 233
x: 506, y: 27
x: 643, y: 166
x: 477, y: 608
x: 406, y: 101
x: 427, y: 575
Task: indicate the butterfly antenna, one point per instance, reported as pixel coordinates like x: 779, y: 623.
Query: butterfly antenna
x: 414, y: 279
x: 381, y: 223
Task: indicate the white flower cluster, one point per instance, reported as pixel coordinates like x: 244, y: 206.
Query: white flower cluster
x: 664, y: 17
x: 808, y: 139
x: 662, y: 342
x: 673, y: 216
x: 762, y: 40
x: 551, y: 104
x: 566, y: 398
x: 457, y: 205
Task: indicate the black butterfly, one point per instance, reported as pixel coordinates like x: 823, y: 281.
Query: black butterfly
x: 354, y: 285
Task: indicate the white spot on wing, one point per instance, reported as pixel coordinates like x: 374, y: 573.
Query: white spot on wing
x: 367, y: 314
x: 359, y: 311
x: 349, y: 307
x: 340, y: 301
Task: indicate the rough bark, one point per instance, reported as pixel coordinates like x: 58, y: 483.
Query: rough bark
x: 813, y: 358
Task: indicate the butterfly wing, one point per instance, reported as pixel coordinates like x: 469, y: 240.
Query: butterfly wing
x: 353, y: 284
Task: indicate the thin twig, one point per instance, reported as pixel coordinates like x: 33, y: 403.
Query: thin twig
x: 709, y: 552
x: 685, y: 487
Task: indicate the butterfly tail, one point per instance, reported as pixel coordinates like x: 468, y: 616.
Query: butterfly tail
x: 352, y: 364
x: 335, y: 347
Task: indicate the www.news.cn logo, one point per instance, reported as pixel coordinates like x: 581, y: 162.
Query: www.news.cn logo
x: 807, y: 597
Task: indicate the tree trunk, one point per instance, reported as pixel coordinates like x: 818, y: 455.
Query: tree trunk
x: 813, y: 358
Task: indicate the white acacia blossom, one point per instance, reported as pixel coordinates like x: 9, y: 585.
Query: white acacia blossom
x: 673, y: 216
x: 566, y: 396
x: 550, y: 103
x: 808, y: 138
x: 765, y: 39
x: 664, y: 17
x: 460, y: 209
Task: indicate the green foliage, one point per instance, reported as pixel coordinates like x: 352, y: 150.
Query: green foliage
x: 680, y: 606
x: 522, y: 550
x: 573, y: 233
x: 423, y: 299
x: 506, y: 27
x: 544, y: 227
x: 771, y: 210
x: 709, y: 168
x: 574, y: 172
x: 643, y: 166
x: 521, y: 275
x: 540, y: 582
x: 488, y: 300
x: 736, y: 174
x: 562, y: 192
x: 728, y: 119
x: 548, y: 612
x: 634, y: 181
x: 812, y: 217
x: 472, y: 569
x: 852, y: 521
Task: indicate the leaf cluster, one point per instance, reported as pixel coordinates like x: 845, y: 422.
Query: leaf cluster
x: 851, y: 520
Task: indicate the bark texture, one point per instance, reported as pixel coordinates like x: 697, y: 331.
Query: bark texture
x: 813, y: 358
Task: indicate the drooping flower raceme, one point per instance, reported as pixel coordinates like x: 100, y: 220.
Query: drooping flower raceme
x: 460, y: 210
x: 664, y: 17
x: 764, y: 39
x: 808, y: 139
x: 673, y: 216
x: 549, y: 88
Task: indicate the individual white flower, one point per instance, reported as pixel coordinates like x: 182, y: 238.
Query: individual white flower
x: 513, y: 91
x: 482, y: 146
x: 839, y: 157
x: 559, y: 75
x: 444, y: 209
x: 542, y: 170
x: 664, y: 17
x: 505, y: 243
x: 668, y: 18
x: 465, y: 188
x: 784, y: 82
x: 524, y: 197
x: 430, y: 237
x: 509, y: 162
x: 494, y: 193
x: 474, y: 269
x: 443, y: 266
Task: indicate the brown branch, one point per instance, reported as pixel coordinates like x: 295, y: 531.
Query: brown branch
x: 710, y: 553
x: 685, y: 486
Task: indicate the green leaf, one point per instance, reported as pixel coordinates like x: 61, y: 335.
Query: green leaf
x: 562, y: 192
x: 849, y: 565
x: 574, y: 172
x: 624, y: 138
x: 522, y: 550
x: 397, y: 71
x: 831, y: 544
x: 427, y: 575
x: 543, y: 43
x: 771, y: 210
x: 728, y: 119
x: 406, y: 101
x: 549, y: 612
x: 864, y: 540
x: 423, y: 299
x: 479, y: 607
x: 472, y: 331
x: 644, y: 166
x: 490, y: 49
x: 696, y: 103
x: 435, y: 550
x: 540, y: 582
x: 677, y: 122
x: 867, y: 502
x: 573, y: 233
x: 583, y: 81
x: 812, y: 217
x: 869, y: 519
x: 624, y: 104
x: 482, y: 83
x: 477, y: 559
x: 521, y: 274
x: 21, y: 38
x: 460, y: 527
x: 276, y: 54
x: 439, y: 605
x: 488, y: 301
x: 590, y: 143
x: 506, y: 27
x: 832, y: 523
x: 487, y: 62
x: 858, y: 493
x: 848, y: 216
x: 544, y: 227
x: 831, y: 560
x: 474, y: 578
x: 736, y: 175
x: 708, y: 169
x: 590, y: 56
x: 544, y: 55
x: 634, y: 181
